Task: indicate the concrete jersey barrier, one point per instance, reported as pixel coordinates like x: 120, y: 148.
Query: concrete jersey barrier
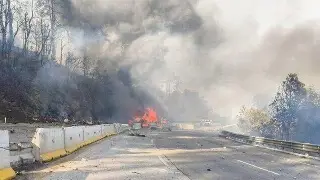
x: 117, y: 127
x: 186, y: 126
x: 6, y: 172
x: 73, y: 138
x: 183, y: 126
x: 108, y: 130
x: 92, y: 134
x: 52, y: 143
x: 123, y: 127
x: 48, y: 144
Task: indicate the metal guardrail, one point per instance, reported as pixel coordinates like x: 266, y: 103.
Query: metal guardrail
x: 294, y: 146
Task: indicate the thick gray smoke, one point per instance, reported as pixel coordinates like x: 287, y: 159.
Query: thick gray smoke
x: 233, y: 53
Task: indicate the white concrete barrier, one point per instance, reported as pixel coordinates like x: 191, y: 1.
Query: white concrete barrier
x: 186, y: 126
x: 73, y: 138
x: 117, y: 127
x: 179, y: 126
x: 48, y: 144
x: 123, y: 128
x: 108, y: 130
x: 21, y: 154
x: 52, y: 143
x: 6, y: 172
x: 92, y: 134
x: 183, y: 126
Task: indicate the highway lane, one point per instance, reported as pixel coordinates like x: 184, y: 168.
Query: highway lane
x: 177, y: 155
x: 207, y: 156
x: 119, y: 157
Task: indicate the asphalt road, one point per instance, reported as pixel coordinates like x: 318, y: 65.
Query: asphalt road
x: 176, y: 155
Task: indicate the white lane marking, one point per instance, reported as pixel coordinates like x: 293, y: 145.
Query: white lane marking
x: 164, y: 162
x: 258, y: 167
x: 173, y: 168
x: 170, y: 165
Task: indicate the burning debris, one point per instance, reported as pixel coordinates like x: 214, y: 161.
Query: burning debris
x: 144, y: 118
x: 147, y: 120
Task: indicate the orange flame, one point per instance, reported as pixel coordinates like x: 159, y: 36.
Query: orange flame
x: 150, y: 115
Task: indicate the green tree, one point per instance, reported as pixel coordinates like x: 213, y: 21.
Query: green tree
x: 308, y: 118
x: 286, y: 105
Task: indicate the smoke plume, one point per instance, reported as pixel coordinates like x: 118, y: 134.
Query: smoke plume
x: 233, y: 53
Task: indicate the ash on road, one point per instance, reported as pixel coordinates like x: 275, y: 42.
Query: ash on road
x: 176, y: 155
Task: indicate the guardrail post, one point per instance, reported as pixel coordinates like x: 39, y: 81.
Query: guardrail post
x: 254, y: 142
x: 291, y: 146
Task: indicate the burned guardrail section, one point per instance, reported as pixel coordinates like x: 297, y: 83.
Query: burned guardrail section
x: 296, y: 147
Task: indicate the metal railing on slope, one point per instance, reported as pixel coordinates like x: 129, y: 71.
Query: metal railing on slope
x: 311, y: 149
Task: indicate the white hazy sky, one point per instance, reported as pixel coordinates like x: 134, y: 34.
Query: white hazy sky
x: 269, y: 13
x: 262, y: 16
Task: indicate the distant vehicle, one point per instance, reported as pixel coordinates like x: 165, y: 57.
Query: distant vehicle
x: 206, y: 122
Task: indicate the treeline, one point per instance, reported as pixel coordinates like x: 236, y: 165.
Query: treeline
x: 35, y: 32
x: 43, y: 78
x: 28, y: 31
x: 294, y: 114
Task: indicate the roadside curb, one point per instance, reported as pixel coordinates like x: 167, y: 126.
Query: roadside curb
x: 7, y: 174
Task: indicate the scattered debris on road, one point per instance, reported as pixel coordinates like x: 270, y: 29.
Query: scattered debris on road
x: 138, y: 135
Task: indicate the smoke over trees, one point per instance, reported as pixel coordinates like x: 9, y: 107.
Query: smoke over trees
x: 37, y: 84
x: 203, y: 43
x: 98, y: 59
x: 292, y: 115
x: 79, y: 66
